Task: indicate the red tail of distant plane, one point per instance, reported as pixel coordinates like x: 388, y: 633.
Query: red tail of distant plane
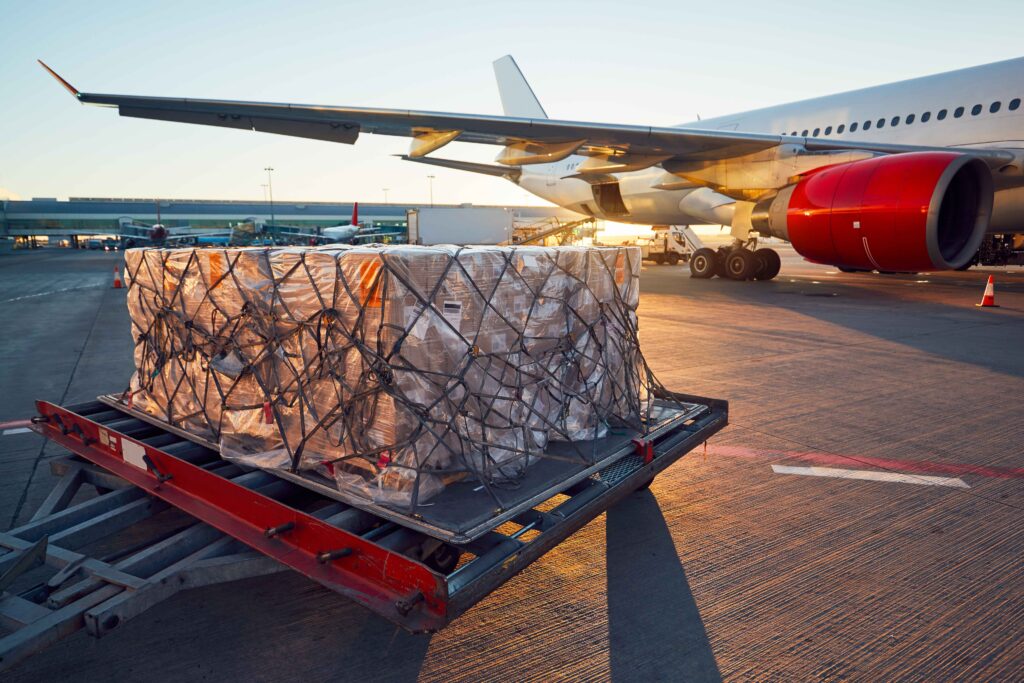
x: 355, y: 214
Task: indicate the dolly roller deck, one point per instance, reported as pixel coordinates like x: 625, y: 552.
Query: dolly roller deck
x: 242, y: 523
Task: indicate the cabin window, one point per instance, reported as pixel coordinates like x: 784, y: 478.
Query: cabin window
x: 942, y: 114
x: 840, y: 129
x: 853, y: 127
x: 925, y: 117
x: 975, y: 110
x: 867, y: 125
x: 1014, y: 103
x: 816, y: 131
x: 958, y: 112
x: 828, y: 130
x: 895, y: 121
x: 910, y: 119
x: 880, y: 124
x: 994, y: 107
x: 793, y: 133
x: 804, y: 133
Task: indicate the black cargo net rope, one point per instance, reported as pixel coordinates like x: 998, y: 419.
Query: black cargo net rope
x: 487, y: 414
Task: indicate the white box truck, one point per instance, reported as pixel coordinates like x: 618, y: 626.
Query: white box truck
x: 460, y: 225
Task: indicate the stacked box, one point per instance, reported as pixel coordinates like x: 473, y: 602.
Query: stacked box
x: 392, y: 370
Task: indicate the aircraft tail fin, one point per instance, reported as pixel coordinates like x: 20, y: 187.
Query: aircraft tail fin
x: 517, y: 98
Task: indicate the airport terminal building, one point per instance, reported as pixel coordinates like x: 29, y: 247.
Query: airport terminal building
x: 71, y: 222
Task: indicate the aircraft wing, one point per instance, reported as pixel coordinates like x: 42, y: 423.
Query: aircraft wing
x: 344, y: 124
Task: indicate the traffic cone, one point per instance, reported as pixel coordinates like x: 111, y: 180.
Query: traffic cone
x: 988, y: 300
x: 117, y: 278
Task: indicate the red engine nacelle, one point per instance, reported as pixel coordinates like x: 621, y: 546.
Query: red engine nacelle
x: 904, y: 212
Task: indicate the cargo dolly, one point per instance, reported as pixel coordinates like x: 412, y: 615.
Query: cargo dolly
x: 170, y: 514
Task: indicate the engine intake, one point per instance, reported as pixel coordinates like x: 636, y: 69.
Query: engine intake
x: 904, y: 212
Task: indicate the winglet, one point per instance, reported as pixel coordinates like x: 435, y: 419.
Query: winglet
x: 67, y: 86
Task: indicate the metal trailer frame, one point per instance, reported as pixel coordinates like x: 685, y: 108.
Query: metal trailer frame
x: 243, y: 523
x: 527, y: 494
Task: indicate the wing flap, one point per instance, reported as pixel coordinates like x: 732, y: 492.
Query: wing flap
x: 344, y: 132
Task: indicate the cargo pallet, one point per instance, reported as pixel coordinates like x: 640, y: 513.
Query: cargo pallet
x: 241, y: 523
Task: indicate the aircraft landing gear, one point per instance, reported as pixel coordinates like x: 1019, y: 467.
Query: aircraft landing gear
x: 740, y: 264
x: 703, y: 263
x: 735, y: 263
x: 769, y: 264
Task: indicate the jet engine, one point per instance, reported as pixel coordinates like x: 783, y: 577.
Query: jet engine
x: 911, y: 212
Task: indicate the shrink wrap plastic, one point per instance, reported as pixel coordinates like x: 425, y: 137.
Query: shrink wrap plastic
x: 392, y: 370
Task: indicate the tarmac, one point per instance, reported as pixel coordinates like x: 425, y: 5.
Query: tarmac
x: 860, y: 518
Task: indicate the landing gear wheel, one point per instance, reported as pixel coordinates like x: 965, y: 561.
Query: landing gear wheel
x: 703, y: 263
x: 769, y: 262
x: 444, y: 559
x: 721, y: 255
x: 673, y: 259
x: 740, y: 264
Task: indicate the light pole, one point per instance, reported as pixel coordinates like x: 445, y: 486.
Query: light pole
x: 270, y: 187
x: 385, y: 194
x: 430, y: 178
x: 264, y: 186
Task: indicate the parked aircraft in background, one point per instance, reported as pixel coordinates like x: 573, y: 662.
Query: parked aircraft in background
x: 920, y: 175
x: 353, y: 233
x: 249, y: 232
x: 343, y: 233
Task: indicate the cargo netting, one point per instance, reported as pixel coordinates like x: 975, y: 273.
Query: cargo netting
x: 391, y: 370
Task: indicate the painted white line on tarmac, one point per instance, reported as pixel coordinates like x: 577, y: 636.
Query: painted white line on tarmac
x: 872, y: 476
x: 53, y: 291
x: 19, y: 430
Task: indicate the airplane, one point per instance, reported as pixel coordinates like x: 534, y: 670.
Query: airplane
x: 158, y: 235
x: 352, y: 233
x: 919, y: 175
x: 343, y: 233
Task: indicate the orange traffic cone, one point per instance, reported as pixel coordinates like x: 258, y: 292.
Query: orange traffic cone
x: 117, y: 278
x: 988, y: 300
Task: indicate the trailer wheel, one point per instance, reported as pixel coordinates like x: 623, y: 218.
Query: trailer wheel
x: 444, y: 559
x: 673, y: 259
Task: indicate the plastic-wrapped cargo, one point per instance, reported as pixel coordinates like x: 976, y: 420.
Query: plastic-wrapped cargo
x: 392, y: 370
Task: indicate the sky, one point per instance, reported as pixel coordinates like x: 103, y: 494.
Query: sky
x: 657, y: 63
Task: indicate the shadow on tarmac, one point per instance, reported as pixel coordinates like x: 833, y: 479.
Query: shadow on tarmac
x: 880, y: 306
x: 655, y: 631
